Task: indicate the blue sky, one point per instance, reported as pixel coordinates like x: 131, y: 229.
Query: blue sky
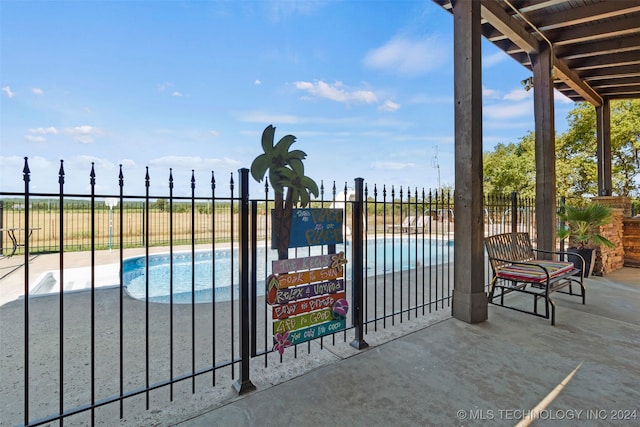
x: 365, y: 86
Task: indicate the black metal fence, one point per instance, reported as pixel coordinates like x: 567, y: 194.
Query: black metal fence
x: 184, y: 308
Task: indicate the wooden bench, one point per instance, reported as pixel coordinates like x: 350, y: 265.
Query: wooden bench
x: 517, y: 268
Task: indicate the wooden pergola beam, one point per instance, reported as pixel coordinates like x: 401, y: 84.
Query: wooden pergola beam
x: 518, y: 34
x: 605, y: 61
x: 509, y: 27
x: 584, y: 14
x: 593, y: 31
x: 604, y: 47
x: 571, y: 79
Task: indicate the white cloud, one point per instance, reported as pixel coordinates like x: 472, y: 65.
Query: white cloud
x: 83, y: 134
x: 214, y: 133
x: 162, y: 87
x: 257, y: 82
x: 259, y: 117
x: 37, y: 91
x: 489, y: 93
x: 36, y: 163
x: 84, y: 162
x: 494, y: 59
x: 508, y: 124
x: 35, y: 138
x: 283, y: 10
x: 508, y: 110
x: 337, y: 92
x: 128, y: 163
x: 44, y: 131
x: 200, y: 163
x: 430, y: 99
x: 407, y: 57
x: 392, y: 165
x: 389, y: 106
x: 11, y: 163
x: 560, y: 97
x: 7, y: 90
x: 518, y: 95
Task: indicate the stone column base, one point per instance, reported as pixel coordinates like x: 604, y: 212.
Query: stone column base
x: 470, y: 308
x: 611, y: 259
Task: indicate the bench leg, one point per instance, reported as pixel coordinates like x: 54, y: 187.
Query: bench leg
x: 583, y: 290
x: 492, y: 288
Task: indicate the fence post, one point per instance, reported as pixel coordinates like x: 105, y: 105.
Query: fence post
x: 254, y: 278
x: 563, y: 200
x: 27, y: 177
x: 2, y: 224
x: 356, y: 268
x: 244, y: 385
x: 514, y: 212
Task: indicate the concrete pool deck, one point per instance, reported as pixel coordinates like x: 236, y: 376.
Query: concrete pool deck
x: 44, y: 270
x: 429, y: 371
x: 493, y: 373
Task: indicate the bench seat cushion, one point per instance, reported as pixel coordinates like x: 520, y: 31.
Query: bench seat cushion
x: 533, y: 273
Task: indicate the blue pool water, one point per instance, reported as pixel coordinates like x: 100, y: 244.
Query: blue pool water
x: 215, y: 279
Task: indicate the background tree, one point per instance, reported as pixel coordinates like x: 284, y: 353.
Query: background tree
x: 625, y: 146
x: 578, y: 147
x: 511, y: 167
x: 576, y: 152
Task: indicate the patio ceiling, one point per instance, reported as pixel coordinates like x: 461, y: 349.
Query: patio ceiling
x: 595, y: 44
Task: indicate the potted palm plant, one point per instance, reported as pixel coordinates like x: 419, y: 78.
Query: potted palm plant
x: 581, y: 225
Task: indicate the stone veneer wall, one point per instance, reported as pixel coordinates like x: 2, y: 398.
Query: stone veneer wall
x: 631, y: 242
x: 611, y: 259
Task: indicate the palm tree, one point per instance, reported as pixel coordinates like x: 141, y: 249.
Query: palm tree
x: 285, y: 170
x: 299, y: 186
x: 276, y: 158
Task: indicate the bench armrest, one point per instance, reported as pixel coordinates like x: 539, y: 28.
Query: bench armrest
x: 561, y: 253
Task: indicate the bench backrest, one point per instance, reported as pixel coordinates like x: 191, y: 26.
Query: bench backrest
x: 508, y: 247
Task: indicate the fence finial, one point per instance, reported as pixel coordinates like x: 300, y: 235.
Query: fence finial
x: 92, y: 174
x: 61, y: 173
x: 26, y: 170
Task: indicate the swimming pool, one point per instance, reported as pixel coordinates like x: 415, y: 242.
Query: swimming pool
x: 216, y: 272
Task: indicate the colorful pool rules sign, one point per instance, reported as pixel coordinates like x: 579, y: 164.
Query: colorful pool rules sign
x: 315, y: 226
x: 308, y: 298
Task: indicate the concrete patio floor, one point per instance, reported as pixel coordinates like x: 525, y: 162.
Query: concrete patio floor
x: 493, y: 373
x: 441, y: 372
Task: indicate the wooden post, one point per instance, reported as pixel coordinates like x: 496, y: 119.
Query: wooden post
x: 603, y: 123
x: 545, y: 149
x: 469, y: 298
